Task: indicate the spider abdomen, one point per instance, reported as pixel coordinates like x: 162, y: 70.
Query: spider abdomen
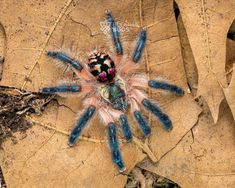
x: 117, y: 97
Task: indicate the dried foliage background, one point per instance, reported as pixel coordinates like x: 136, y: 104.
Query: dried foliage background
x: 192, y: 51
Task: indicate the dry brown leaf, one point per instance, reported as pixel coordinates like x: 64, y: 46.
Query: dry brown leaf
x: 207, y: 23
x: 43, y: 159
x: 204, y: 157
x: 229, y: 92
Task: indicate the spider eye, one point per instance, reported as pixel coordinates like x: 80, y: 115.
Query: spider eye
x: 101, y: 66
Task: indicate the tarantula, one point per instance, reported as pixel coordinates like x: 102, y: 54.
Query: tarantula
x: 110, y: 85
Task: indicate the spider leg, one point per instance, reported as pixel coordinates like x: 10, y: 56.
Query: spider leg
x: 157, y: 84
x: 123, y: 120
x: 156, y: 110
x: 77, y: 67
x: 64, y: 88
x: 143, y: 124
x: 113, y: 143
x: 61, y: 89
x: 115, y: 33
x: 65, y: 59
x: 80, y: 124
x: 132, y: 63
x: 139, y: 47
x: 108, y: 116
x: 141, y: 80
x: 125, y: 127
x: 141, y: 120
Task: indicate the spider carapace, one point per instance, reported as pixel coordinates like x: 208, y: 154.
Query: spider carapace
x: 110, y: 84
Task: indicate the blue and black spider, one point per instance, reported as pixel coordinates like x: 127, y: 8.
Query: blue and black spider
x: 109, y: 85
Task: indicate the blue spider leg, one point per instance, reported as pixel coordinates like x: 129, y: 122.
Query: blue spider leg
x: 61, y: 89
x: 65, y: 59
x: 156, y: 110
x: 166, y: 86
x: 125, y: 127
x: 115, y: 33
x: 80, y: 124
x: 139, y: 48
x: 143, y: 124
x: 114, y: 146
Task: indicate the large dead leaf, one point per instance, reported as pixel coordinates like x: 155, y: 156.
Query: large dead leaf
x: 207, y: 23
x: 43, y: 158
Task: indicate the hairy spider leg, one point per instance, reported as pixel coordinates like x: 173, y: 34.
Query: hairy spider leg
x: 125, y: 127
x: 65, y: 59
x: 114, y: 146
x: 156, y: 84
x: 61, y: 89
x: 142, y: 122
x: 156, y: 110
x: 80, y: 124
x: 115, y: 33
x: 139, y: 47
x: 134, y: 97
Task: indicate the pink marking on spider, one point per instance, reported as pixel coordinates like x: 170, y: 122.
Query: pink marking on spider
x: 103, y: 76
x: 140, y: 80
x: 138, y: 95
x: 117, y: 59
x: 115, y: 113
x: 112, y: 71
x: 105, y: 116
x: 94, y: 100
x: 87, y: 88
x: 84, y: 74
x: 134, y: 105
x: 127, y: 66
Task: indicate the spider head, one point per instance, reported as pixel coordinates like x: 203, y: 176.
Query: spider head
x: 101, y: 66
